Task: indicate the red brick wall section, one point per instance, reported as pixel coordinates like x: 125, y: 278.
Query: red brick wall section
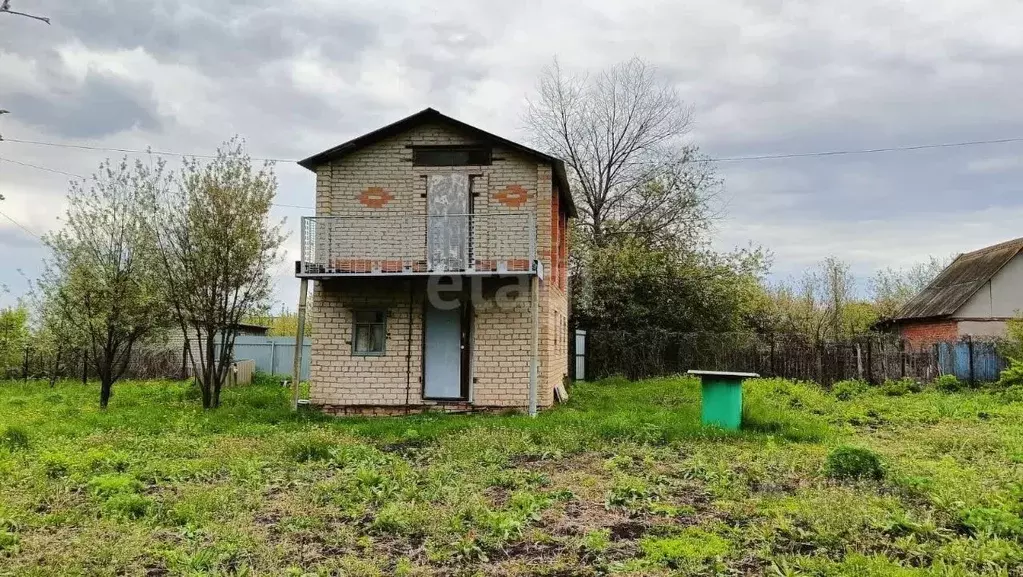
x: 918, y: 333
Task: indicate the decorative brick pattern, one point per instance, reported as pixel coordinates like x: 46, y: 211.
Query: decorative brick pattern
x: 513, y: 196
x: 375, y: 197
x: 391, y: 384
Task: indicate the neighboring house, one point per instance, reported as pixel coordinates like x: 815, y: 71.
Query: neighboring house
x: 433, y: 241
x: 973, y: 296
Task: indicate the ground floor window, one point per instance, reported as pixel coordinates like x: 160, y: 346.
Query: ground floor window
x: 369, y: 332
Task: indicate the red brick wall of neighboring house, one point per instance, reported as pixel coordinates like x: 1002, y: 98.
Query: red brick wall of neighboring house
x: 919, y: 333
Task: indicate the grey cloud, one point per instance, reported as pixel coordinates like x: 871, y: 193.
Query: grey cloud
x: 101, y: 105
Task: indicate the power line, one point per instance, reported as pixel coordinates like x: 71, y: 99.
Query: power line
x: 867, y: 150
x: 132, y: 150
x: 779, y: 156
x: 19, y: 225
x: 72, y: 175
x: 36, y: 166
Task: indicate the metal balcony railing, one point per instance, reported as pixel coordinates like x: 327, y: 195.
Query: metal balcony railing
x: 418, y: 245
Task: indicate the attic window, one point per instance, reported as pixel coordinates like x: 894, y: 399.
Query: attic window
x: 451, y: 156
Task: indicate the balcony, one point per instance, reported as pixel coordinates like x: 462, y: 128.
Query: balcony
x: 418, y: 245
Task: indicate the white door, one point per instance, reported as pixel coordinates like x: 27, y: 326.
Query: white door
x: 443, y: 354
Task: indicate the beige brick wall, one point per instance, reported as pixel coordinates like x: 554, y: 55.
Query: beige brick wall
x: 397, y: 230
x: 501, y: 335
x: 341, y: 378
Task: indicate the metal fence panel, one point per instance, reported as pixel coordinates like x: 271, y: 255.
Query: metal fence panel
x: 273, y: 355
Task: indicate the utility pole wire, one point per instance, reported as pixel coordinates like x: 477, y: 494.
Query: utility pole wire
x: 73, y: 175
x: 780, y: 156
x: 6, y: 7
x: 19, y: 225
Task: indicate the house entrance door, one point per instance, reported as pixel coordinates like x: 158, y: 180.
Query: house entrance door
x: 447, y: 226
x: 445, y: 353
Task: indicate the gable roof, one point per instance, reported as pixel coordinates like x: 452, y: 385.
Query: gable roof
x: 428, y: 115
x: 960, y: 280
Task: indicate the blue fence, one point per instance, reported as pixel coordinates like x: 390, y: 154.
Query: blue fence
x: 971, y: 360
x: 273, y: 355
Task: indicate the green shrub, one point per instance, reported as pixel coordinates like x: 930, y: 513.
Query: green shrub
x: 901, y: 387
x: 853, y: 463
x: 948, y: 384
x: 10, y: 544
x: 126, y: 506
x: 309, y: 449
x: 846, y: 390
x: 108, y: 485
x: 693, y: 547
x: 14, y: 438
x: 1012, y: 376
x: 55, y: 464
x: 992, y: 521
x: 403, y: 518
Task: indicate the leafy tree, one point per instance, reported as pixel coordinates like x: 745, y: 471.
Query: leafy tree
x: 14, y: 333
x: 102, y: 278
x: 629, y: 286
x: 892, y: 288
x: 820, y: 304
x: 216, y: 247
x: 283, y: 324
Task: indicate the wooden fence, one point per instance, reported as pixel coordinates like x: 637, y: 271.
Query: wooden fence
x: 874, y: 358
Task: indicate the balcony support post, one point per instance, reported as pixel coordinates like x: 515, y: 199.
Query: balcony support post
x: 534, y: 302
x: 296, y: 376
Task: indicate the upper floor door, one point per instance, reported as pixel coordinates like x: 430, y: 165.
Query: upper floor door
x: 448, y: 222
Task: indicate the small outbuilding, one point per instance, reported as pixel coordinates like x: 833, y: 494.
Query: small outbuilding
x: 974, y: 296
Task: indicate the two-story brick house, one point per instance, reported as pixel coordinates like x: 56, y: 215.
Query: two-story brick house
x: 438, y: 254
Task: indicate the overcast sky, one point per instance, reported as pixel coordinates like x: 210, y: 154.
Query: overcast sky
x: 763, y: 77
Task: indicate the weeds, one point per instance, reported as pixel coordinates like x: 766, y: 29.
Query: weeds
x: 622, y: 479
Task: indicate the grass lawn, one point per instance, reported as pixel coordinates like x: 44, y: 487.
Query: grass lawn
x: 622, y: 480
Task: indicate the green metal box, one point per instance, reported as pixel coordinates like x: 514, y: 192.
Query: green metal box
x: 722, y: 397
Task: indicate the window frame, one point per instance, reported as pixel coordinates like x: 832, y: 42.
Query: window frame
x: 469, y: 149
x: 355, y: 332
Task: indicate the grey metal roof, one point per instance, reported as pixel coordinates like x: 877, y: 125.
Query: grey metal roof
x: 431, y: 115
x: 967, y: 274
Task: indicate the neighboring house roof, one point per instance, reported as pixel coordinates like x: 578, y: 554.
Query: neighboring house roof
x: 967, y: 274
x: 258, y: 329
x: 430, y: 115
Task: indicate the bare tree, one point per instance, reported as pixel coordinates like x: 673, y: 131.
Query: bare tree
x: 892, y: 288
x: 217, y: 246
x: 101, y: 278
x: 622, y: 134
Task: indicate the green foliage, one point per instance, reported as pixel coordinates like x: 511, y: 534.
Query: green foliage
x: 948, y: 384
x: 623, y: 479
x: 9, y: 543
x: 218, y: 247
x: 1012, y: 376
x: 126, y: 506
x: 853, y: 463
x: 900, y: 387
x: 14, y: 438
x: 1011, y: 346
x: 108, y: 485
x: 846, y: 390
x: 630, y: 286
x: 101, y: 280
x: 690, y: 549
x: 14, y: 335
x: 309, y: 449
x: 992, y: 521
